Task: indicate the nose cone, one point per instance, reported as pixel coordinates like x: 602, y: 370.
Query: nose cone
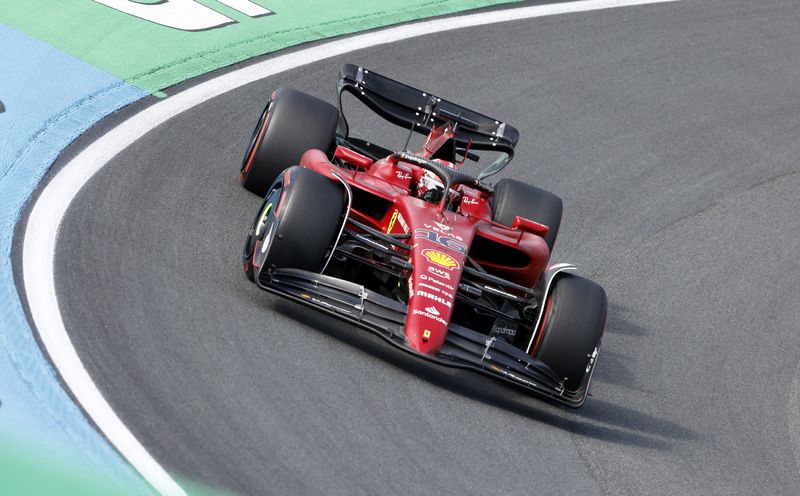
x: 432, y: 291
x: 438, y: 250
x: 424, y: 331
x: 427, y: 319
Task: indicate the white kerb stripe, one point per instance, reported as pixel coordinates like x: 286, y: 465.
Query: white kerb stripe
x: 48, y: 212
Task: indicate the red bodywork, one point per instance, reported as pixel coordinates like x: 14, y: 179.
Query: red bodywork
x: 440, y: 239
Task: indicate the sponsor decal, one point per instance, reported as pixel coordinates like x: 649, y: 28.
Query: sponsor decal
x: 402, y: 175
x: 429, y: 315
x: 370, y: 241
x: 426, y: 334
x: 402, y: 222
x: 438, y: 227
x: 508, y: 374
x: 468, y: 200
x: 446, y: 241
x: 439, y: 272
x: 441, y: 259
x: 443, y: 229
x: 436, y: 298
x: 325, y: 304
x: 425, y: 277
x: 432, y: 310
x: 428, y: 286
x: 500, y: 292
x: 508, y: 331
x: 441, y: 226
x: 328, y: 305
x: 391, y: 221
x: 398, y: 217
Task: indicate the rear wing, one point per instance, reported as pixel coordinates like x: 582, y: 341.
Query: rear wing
x: 405, y: 106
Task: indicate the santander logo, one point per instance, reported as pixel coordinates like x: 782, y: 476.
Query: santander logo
x: 432, y: 310
x: 429, y: 315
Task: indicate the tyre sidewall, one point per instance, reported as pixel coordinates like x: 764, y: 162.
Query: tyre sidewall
x: 295, y: 123
x: 308, y: 219
x: 572, y: 327
x: 514, y: 198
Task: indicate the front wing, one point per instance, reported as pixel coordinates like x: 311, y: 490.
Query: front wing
x: 463, y: 348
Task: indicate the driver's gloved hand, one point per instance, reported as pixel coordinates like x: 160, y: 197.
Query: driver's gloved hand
x: 433, y: 195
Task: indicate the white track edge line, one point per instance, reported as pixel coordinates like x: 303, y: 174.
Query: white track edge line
x: 48, y: 212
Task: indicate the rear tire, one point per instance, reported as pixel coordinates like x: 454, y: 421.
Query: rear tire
x: 512, y: 198
x: 291, y: 124
x: 298, y: 224
x: 573, y: 323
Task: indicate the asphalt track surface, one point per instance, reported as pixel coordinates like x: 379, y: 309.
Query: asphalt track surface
x: 672, y: 134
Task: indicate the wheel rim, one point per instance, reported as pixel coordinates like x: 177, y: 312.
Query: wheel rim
x: 264, y: 226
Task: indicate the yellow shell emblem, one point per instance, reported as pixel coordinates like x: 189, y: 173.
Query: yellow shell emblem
x: 441, y: 259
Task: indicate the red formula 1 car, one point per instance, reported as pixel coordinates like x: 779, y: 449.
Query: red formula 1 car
x: 434, y: 260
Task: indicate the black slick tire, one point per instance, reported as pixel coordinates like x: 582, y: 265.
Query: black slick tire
x: 512, y: 198
x: 298, y: 224
x: 572, y: 326
x: 291, y: 124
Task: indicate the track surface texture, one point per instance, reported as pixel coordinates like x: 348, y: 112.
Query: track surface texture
x: 670, y: 131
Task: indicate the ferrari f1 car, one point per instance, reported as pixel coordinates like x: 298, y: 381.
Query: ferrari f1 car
x: 408, y: 245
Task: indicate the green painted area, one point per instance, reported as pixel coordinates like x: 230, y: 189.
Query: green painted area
x: 154, y: 57
x: 24, y: 472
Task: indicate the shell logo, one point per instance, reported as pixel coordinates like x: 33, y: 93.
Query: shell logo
x: 441, y: 259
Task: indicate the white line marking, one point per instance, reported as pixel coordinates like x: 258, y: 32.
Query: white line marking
x: 38, y: 255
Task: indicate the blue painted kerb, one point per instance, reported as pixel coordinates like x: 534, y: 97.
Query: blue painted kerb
x: 50, y: 99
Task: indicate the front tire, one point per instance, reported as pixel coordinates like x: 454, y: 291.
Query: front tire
x: 572, y: 326
x: 291, y: 124
x: 297, y: 225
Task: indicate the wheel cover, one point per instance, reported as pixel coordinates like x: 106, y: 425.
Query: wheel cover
x: 265, y: 226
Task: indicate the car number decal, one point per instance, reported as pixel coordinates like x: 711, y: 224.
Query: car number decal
x: 446, y: 241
